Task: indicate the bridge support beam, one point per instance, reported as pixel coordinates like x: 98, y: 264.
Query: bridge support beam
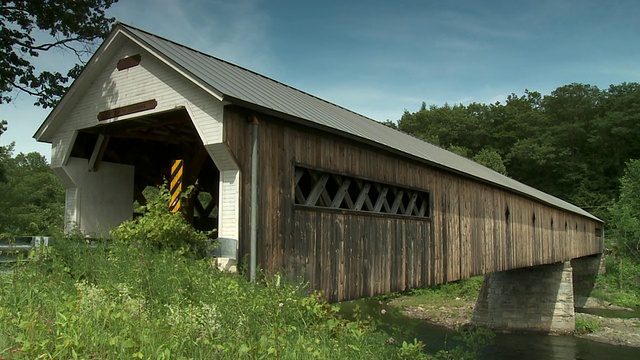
x: 533, y: 299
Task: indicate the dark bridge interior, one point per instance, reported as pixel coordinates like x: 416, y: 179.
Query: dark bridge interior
x: 150, y: 144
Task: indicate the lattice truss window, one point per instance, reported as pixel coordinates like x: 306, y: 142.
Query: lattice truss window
x: 327, y: 190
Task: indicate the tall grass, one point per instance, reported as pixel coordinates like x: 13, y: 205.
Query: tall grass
x: 143, y: 295
x: 94, y: 301
x: 449, y: 293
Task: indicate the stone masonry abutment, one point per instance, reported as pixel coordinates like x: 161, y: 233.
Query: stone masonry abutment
x: 585, y: 271
x: 533, y: 299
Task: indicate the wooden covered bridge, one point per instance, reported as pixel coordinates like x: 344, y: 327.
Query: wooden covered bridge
x: 352, y: 206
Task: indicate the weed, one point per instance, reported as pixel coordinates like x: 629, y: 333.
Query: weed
x: 621, y: 284
x: 587, y: 325
x: 132, y: 297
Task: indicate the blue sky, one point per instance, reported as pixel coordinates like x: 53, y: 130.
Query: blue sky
x: 380, y: 58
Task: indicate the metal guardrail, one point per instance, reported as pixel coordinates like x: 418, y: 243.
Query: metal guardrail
x: 17, y: 248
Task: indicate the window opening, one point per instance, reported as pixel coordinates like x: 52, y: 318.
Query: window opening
x: 598, y: 232
x: 315, y: 188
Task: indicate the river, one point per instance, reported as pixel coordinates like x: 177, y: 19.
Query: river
x: 506, y: 346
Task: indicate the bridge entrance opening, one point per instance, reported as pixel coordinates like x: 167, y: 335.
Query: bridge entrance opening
x: 150, y: 144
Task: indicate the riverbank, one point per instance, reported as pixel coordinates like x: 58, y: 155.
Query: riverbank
x: 456, y: 313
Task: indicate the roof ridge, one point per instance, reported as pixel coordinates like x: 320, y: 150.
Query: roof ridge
x: 127, y: 26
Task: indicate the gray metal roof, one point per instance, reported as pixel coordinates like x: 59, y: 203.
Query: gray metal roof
x: 237, y: 83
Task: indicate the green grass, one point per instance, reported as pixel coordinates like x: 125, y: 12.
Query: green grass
x: 621, y: 283
x: 587, y: 325
x: 127, y: 302
x: 450, y: 294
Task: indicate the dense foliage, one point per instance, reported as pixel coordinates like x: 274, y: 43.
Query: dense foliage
x: 162, y: 229
x: 90, y: 301
x: 31, y: 27
x: 32, y: 196
x: 572, y: 143
x: 625, y: 213
x: 621, y: 284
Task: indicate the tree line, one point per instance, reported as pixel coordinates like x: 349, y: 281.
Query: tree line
x: 574, y: 143
x: 32, y: 200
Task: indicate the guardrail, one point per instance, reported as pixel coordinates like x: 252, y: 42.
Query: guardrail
x: 17, y: 248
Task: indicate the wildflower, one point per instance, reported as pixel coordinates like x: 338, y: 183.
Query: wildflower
x: 391, y: 340
x: 383, y: 311
x: 281, y: 304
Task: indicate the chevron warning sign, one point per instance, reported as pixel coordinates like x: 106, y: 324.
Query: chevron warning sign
x: 175, y: 187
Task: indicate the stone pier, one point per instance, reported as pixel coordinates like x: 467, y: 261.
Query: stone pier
x: 533, y: 299
x: 585, y: 271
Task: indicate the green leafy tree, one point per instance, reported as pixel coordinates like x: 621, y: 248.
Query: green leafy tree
x: 625, y: 213
x: 491, y: 159
x: 616, y: 135
x: 447, y: 125
x: 390, y: 124
x: 572, y: 143
x: 30, y: 27
x: 460, y: 150
x: 32, y: 196
x: 571, y: 111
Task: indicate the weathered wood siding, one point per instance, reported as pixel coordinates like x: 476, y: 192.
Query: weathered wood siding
x: 474, y: 228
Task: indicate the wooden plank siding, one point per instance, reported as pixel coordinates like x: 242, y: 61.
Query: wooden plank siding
x: 474, y: 228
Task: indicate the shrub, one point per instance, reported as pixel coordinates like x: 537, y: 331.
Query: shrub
x: 162, y: 229
x: 621, y: 284
x: 466, y: 289
x: 587, y: 325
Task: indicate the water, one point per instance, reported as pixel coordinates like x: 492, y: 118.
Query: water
x: 506, y: 346
x: 622, y: 314
x: 523, y: 347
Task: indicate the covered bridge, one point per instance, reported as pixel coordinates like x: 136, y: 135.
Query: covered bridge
x: 352, y: 206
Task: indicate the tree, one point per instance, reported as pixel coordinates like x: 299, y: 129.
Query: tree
x: 491, y: 159
x: 29, y: 28
x: 625, y: 213
x: 572, y: 143
x: 32, y: 196
x: 390, y: 124
x: 616, y: 135
x: 446, y: 125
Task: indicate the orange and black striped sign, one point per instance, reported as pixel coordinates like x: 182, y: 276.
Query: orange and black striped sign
x: 176, y: 185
